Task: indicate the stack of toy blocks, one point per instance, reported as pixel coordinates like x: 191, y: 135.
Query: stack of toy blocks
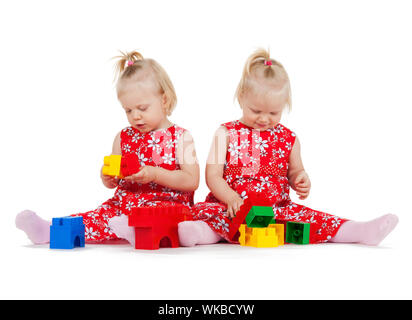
x: 241, y: 215
x: 156, y: 227
x: 121, y: 166
x: 260, y: 229
x: 67, y: 233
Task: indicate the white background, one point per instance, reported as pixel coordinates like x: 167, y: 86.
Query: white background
x: 350, y: 68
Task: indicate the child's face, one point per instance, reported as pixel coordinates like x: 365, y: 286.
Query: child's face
x: 145, y: 107
x: 261, y: 112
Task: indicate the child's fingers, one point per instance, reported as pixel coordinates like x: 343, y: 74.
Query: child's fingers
x: 236, y: 207
x: 303, y: 196
x: 136, y: 176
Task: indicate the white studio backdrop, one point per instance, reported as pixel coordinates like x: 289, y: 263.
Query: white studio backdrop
x: 350, y: 68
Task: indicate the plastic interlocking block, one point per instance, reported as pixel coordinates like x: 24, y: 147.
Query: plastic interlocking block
x: 259, y: 217
x: 268, y: 237
x: 297, y: 232
x: 112, y: 165
x: 130, y: 165
x: 67, y: 233
x: 156, y: 227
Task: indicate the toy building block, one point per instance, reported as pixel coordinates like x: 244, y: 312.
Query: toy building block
x: 156, y: 227
x: 259, y: 217
x: 252, y: 200
x: 269, y: 237
x: 67, y: 233
x: 130, y: 165
x: 283, y: 222
x: 297, y: 232
x: 280, y: 232
x: 112, y: 165
x: 121, y: 166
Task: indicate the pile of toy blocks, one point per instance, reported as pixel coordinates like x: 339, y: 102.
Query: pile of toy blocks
x: 255, y: 226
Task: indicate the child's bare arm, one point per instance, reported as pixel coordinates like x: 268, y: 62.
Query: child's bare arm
x: 214, y: 173
x: 297, y: 176
x: 109, y: 181
x: 186, y: 179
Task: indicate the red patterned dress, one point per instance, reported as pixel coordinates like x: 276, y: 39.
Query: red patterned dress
x: 257, y: 162
x: 155, y: 148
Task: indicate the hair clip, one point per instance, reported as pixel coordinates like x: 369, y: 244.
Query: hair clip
x: 130, y: 63
x: 268, y: 62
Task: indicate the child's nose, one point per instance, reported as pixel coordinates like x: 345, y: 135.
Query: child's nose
x: 136, y: 114
x: 263, y: 118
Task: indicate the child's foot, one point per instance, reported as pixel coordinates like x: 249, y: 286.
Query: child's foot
x: 37, y: 229
x: 120, y: 227
x: 377, y: 230
x: 370, y: 232
x: 192, y: 233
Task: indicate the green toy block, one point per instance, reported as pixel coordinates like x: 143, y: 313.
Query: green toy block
x: 259, y: 217
x: 297, y: 232
x: 273, y: 221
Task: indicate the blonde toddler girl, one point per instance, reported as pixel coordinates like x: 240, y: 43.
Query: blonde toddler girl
x: 166, y: 177
x: 258, y: 155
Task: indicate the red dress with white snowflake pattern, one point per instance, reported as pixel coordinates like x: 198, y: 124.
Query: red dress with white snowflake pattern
x: 155, y: 148
x: 257, y: 162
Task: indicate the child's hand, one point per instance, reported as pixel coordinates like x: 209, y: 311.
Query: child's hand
x: 233, y: 205
x: 146, y: 174
x: 110, y: 181
x: 302, y: 185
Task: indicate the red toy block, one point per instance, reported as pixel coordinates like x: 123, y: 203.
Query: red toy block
x: 130, y: 165
x: 252, y: 200
x: 157, y: 226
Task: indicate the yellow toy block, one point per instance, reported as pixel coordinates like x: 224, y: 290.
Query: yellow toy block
x: 112, y: 165
x: 280, y: 233
x: 272, y: 236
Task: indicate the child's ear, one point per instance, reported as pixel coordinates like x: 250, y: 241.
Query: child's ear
x: 165, y: 104
x: 240, y: 98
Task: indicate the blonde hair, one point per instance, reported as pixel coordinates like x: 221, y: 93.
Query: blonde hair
x: 132, y: 65
x: 260, y: 67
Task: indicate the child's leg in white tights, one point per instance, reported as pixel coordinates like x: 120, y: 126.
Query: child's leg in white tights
x: 369, y: 232
x: 192, y: 233
x: 37, y: 229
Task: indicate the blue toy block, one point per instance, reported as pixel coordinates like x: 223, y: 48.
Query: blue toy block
x: 67, y: 233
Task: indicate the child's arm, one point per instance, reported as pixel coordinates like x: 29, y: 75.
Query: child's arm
x: 214, y: 173
x: 297, y: 176
x: 186, y: 179
x: 109, y: 181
